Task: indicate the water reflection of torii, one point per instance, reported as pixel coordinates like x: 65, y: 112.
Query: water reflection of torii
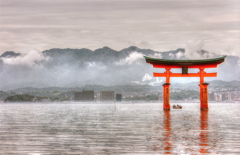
x: 167, y: 132
x: 204, y: 132
x: 167, y: 145
x: 185, y: 64
x: 203, y: 136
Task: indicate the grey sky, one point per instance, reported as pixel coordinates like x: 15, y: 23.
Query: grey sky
x: 156, y: 24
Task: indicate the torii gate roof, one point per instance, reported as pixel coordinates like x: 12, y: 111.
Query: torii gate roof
x: 163, y: 63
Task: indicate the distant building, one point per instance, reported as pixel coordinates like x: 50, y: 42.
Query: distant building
x: 219, y: 97
x: 224, y: 97
x: 160, y: 97
x: 231, y: 96
x: 211, y: 96
x: 106, y: 95
x: 118, y: 97
x: 85, y: 95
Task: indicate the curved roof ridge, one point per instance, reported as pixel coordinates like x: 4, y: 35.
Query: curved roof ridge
x: 184, y: 62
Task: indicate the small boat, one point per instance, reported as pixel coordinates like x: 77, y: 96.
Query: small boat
x: 177, y: 107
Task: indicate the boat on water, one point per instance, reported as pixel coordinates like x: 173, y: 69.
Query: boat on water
x: 177, y: 107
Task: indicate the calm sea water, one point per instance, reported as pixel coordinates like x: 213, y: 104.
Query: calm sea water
x: 90, y: 128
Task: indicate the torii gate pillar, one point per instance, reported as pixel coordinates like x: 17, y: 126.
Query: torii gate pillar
x: 204, y: 96
x: 166, y: 95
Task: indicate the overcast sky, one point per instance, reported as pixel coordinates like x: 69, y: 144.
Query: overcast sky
x: 160, y: 25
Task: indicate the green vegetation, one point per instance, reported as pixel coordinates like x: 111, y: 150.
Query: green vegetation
x: 177, y: 95
x: 184, y: 94
x: 20, y: 98
x: 4, y: 95
x: 144, y: 98
x: 30, y: 98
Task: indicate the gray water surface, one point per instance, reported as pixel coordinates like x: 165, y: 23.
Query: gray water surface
x: 92, y: 128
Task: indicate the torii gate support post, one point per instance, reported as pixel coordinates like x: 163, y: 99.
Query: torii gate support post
x: 166, y: 90
x: 204, y: 96
x: 203, y: 91
x: 166, y: 94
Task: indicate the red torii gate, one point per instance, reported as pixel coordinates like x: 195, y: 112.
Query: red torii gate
x: 185, y: 64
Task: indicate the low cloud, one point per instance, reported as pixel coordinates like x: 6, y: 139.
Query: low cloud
x: 33, y: 57
x: 179, y: 55
x: 147, y: 77
x: 193, y: 49
x: 156, y: 55
x: 132, y: 58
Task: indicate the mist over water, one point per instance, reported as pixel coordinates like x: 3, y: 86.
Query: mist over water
x: 74, y: 128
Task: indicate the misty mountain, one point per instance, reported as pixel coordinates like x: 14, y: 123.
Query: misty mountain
x: 10, y: 54
x: 83, y: 56
x: 103, y: 66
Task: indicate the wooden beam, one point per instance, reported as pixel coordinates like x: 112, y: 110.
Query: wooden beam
x: 185, y: 75
x: 189, y: 66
